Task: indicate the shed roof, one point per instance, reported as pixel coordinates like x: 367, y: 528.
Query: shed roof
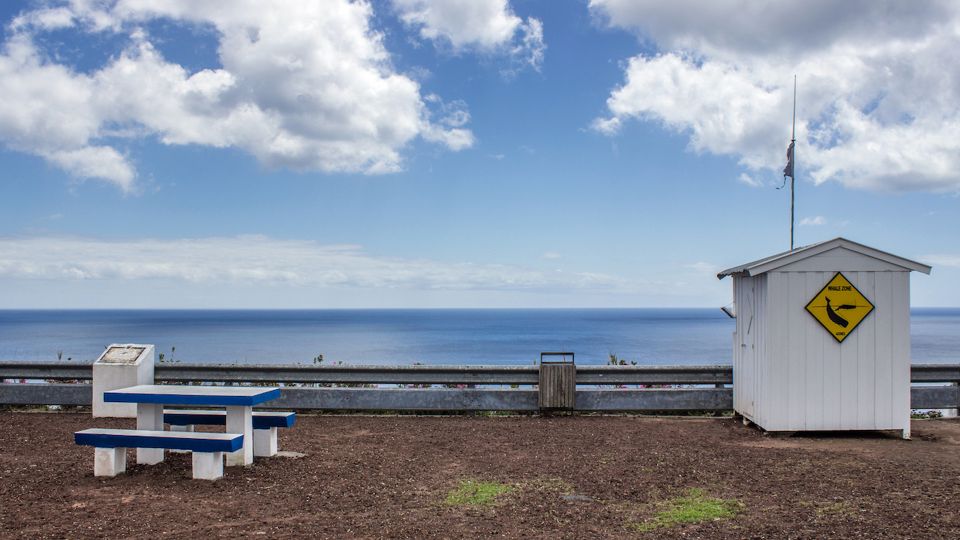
x: 788, y: 257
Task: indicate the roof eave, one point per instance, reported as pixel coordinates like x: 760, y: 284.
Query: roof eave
x: 782, y: 259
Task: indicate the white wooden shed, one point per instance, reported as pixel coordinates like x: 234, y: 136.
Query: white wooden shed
x: 822, y: 339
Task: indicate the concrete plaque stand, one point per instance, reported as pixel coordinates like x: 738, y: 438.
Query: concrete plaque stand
x: 119, y: 366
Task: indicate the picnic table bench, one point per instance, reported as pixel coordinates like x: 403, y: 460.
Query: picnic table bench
x: 265, y: 424
x: 110, y: 454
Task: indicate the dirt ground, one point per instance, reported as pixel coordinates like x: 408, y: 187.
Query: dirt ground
x: 572, y: 477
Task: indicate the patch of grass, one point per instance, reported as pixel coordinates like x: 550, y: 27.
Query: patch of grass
x: 694, y: 507
x: 476, y: 493
x: 840, y: 508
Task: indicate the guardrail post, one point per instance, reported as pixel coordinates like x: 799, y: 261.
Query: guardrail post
x: 719, y: 386
x: 952, y: 413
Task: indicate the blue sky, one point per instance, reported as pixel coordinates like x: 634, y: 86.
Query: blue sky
x: 427, y: 153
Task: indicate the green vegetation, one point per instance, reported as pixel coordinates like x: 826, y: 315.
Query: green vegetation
x: 168, y: 359
x: 694, y: 507
x: 840, y: 508
x: 615, y: 360
x: 476, y: 493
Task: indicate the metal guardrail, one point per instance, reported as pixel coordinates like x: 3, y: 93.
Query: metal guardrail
x: 53, y: 371
x: 384, y: 374
x: 714, y: 398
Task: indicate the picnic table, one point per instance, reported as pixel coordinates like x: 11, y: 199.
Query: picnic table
x: 238, y: 401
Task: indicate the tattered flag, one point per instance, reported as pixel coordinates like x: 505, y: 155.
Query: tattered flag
x: 788, y: 170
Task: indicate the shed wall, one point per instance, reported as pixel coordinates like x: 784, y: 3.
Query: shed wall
x: 741, y: 374
x: 808, y: 381
x: 750, y: 295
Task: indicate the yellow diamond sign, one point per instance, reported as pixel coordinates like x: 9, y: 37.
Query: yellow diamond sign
x: 839, y: 307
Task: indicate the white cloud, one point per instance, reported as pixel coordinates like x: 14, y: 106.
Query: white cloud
x: 449, y: 130
x: 263, y: 260
x: 484, y: 25
x: 749, y: 180
x: 551, y: 256
x: 766, y: 27
x: 46, y: 18
x: 529, y: 49
x: 607, y: 126
x: 813, y: 221
x: 701, y: 267
x: 50, y: 111
x: 876, y: 97
x: 310, y: 87
x: 949, y: 261
x: 714, y: 103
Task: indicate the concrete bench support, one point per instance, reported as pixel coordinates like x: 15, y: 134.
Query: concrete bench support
x: 149, y: 417
x: 265, y: 442
x: 207, y: 465
x: 188, y: 429
x: 109, y: 461
x: 240, y: 420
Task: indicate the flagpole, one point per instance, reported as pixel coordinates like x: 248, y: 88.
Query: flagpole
x: 793, y: 155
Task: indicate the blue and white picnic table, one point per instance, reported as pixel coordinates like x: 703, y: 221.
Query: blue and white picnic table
x: 238, y: 401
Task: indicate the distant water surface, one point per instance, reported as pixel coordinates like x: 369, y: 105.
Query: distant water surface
x: 428, y: 336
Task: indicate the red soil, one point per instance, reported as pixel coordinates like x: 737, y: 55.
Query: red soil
x: 373, y: 477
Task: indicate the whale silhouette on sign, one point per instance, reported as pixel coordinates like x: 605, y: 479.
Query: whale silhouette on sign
x: 835, y: 317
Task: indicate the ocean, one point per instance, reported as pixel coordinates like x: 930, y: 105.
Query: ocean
x: 402, y: 336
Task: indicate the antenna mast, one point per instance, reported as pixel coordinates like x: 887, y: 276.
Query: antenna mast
x: 793, y: 155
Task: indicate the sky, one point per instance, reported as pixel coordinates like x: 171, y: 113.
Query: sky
x: 464, y: 153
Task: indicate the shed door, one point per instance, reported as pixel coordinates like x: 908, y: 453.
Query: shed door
x: 746, y: 315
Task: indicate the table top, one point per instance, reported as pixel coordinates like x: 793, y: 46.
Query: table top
x: 169, y: 394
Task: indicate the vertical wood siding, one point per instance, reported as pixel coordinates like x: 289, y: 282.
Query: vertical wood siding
x: 799, y: 377
x: 558, y: 384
